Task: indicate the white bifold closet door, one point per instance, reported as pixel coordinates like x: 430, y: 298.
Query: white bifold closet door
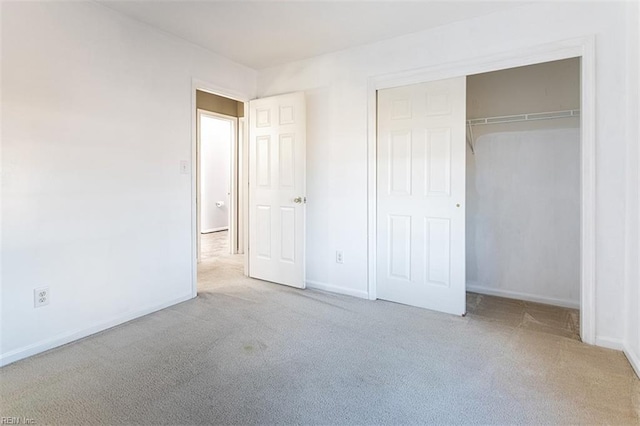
x: 277, y: 141
x: 420, y: 195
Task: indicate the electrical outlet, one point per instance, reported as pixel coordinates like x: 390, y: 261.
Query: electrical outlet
x: 339, y: 256
x: 41, y: 297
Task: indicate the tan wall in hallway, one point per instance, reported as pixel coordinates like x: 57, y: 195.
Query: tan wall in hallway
x: 219, y: 104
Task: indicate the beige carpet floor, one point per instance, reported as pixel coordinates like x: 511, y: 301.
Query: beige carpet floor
x: 250, y: 352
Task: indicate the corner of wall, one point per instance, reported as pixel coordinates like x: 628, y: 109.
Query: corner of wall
x: 634, y: 359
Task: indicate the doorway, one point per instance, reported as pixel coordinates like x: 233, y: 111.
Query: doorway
x: 581, y: 49
x: 219, y: 175
x: 267, y: 197
x: 217, y: 135
x: 523, y: 196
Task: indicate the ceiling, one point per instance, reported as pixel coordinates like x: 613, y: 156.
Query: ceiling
x: 262, y: 34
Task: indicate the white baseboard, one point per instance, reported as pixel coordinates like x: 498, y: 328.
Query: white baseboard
x: 68, y: 337
x: 523, y: 296
x: 208, y: 231
x: 634, y: 359
x: 609, y: 343
x: 336, y: 289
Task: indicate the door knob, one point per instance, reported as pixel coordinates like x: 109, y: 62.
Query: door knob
x: 297, y: 200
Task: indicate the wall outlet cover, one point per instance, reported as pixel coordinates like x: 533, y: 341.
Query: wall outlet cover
x: 41, y: 297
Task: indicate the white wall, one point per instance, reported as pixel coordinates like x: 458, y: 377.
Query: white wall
x: 632, y: 294
x: 97, y: 115
x: 337, y: 151
x: 215, y: 158
x: 523, y: 215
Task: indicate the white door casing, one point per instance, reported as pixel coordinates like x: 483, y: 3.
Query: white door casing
x: 277, y: 142
x: 242, y: 189
x: 421, y: 194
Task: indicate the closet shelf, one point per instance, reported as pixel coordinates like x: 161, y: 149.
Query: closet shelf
x: 524, y: 117
x: 516, y: 118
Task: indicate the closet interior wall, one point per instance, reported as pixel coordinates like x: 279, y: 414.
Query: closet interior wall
x: 523, y: 185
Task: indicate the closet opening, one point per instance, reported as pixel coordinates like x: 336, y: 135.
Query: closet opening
x: 523, y: 196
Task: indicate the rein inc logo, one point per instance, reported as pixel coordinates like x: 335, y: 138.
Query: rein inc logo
x: 16, y: 421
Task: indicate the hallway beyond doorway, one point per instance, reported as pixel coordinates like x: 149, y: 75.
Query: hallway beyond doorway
x: 215, y: 245
x: 218, y: 266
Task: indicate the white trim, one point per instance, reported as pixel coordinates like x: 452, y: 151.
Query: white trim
x: 316, y: 285
x: 68, y: 337
x: 244, y: 182
x: 372, y: 186
x: 204, y: 86
x: 609, y: 343
x: 579, y: 47
x: 241, y: 187
x: 588, y: 192
x: 633, y: 358
x: 234, y: 188
x: 566, y: 303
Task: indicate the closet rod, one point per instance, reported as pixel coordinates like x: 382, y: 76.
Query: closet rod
x: 525, y: 117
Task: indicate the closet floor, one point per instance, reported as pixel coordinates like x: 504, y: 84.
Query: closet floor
x: 514, y: 313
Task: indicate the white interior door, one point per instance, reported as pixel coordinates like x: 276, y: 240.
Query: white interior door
x: 421, y: 194
x: 277, y: 141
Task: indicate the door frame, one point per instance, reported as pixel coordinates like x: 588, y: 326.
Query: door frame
x: 233, y: 180
x: 584, y: 48
x: 243, y: 160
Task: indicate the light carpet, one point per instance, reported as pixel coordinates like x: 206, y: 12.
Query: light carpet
x: 250, y: 352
